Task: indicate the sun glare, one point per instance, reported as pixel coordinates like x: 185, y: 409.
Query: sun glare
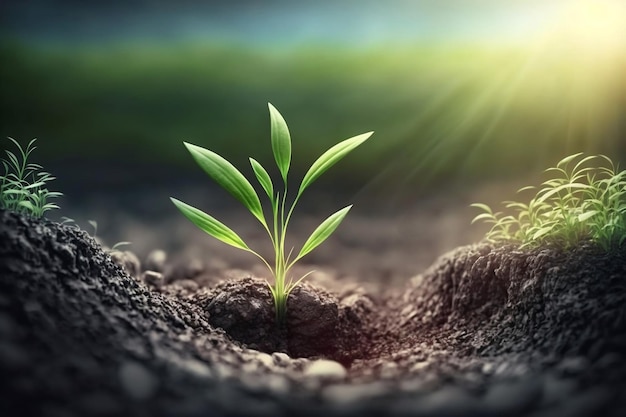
x: 593, y: 27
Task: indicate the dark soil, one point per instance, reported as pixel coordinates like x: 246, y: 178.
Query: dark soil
x: 485, y: 331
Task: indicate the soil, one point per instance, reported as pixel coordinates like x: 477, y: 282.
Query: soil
x: 484, y: 331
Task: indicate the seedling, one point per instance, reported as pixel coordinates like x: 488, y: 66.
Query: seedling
x: 582, y: 202
x: 228, y: 177
x: 23, y: 187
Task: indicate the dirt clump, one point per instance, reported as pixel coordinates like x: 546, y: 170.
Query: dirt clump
x: 317, y: 324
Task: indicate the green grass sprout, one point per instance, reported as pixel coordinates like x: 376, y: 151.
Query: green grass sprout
x: 23, y: 186
x: 227, y: 176
x: 580, y: 202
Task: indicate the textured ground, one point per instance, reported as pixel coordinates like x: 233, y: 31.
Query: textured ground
x: 483, y: 332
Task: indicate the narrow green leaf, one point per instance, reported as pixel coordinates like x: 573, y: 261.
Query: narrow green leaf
x: 16, y: 191
x: 567, y: 159
x: 13, y: 159
x: 587, y: 215
x: 26, y: 204
x: 281, y: 141
x: 49, y: 206
x: 330, y: 158
x: 484, y: 216
x: 210, y: 225
x: 541, y: 232
x: 263, y: 177
x: 483, y: 207
x: 35, y: 185
x: 229, y: 178
x: 528, y: 187
x: 322, y: 232
x: 550, y: 192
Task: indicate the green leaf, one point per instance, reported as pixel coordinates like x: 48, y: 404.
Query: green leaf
x: 550, y: 192
x: 483, y: 207
x: 330, y: 158
x: 229, y: 178
x: 210, y: 225
x: 322, y: 232
x: 27, y: 205
x: 281, y: 141
x: 587, y: 215
x: 484, y: 216
x: 567, y: 159
x: 541, y: 232
x: 16, y: 191
x: 263, y: 177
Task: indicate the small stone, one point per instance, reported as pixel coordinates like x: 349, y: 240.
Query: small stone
x: 266, y: 360
x: 419, y: 366
x: 138, y: 382
x: 281, y: 358
x: 325, y: 369
x: 156, y: 260
x: 128, y: 261
x: 388, y: 370
x: 488, y: 368
x: 153, y: 278
x: 196, y: 368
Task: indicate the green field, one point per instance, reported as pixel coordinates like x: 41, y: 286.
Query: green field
x: 440, y: 112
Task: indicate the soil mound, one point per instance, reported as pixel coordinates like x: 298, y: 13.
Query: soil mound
x: 485, y: 331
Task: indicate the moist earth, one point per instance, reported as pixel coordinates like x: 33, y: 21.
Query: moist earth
x: 485, y: 331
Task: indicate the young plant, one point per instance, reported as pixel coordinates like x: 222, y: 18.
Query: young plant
x: 227, y: 176
x: 23, y: 185
x: 581, y: 202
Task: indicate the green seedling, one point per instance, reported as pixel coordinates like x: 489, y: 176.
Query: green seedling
x: 580, y: 202
x: 23, y: 187
x: 227, y: 176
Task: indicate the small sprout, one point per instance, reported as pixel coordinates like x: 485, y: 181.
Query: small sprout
x: 227, y: 176
x: 23, y: 184
x: 94, y: 224
x: 581, y: 202
x: 119, y: 245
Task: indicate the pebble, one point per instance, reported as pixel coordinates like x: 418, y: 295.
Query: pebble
x: 153, y: 278
x: 265, y: 359
x: 281, y: 358
x: 419, y: 366
x: 128, y: 261
x: 155, y: 260
x: 325, y: 369
x: 196, y: 368
x: 138, y: 382
x: 388, y: 370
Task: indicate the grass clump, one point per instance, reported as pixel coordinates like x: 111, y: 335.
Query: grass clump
x: 227, y: 176
x: 23, y: 186
x: 581, y: 201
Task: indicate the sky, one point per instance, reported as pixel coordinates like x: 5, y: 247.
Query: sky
x: 352, y: 22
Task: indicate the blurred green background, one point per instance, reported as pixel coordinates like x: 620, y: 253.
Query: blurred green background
x: 456, y: 91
